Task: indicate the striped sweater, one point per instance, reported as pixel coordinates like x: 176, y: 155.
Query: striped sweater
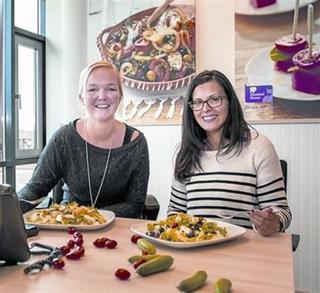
x: 251, y: 180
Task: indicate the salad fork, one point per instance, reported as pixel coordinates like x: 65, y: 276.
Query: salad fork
x: 233, y: 215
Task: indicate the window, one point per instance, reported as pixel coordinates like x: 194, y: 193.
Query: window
x: 23, y: 174
x: 28, y: 96
x: 22, y: 90
x: 26, y: 15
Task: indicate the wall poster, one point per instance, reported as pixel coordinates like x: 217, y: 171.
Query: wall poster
x: 277, y: 90
x: 152, y: 43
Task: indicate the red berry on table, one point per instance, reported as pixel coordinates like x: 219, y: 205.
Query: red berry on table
x: 99, y: 243
x: 138, y: 262
x: 65, y: 249
x: 144, y: 253
x: 71, y: 243
x: 77, y: 235
x: 111, y: 244
x: 78, y: 241
x: 104, y: 240
x: 74, y: 255
x: 81, y: 250
x: 58, y: 263
x: 71, y: 230
x: 122, y: 274
x: 135, y: 238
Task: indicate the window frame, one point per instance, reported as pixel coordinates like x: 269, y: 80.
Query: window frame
x: 34, y: 42
x: 10, y: 159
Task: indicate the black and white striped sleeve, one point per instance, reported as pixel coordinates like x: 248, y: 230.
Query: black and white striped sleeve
x: 270, y: 184
x: 178, y: 198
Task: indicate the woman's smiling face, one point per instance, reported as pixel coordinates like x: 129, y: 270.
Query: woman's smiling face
x: 211, y: 119
x: 101, y: 94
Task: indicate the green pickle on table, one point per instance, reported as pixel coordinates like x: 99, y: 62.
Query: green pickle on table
x: 146, y: 246
x: 196, y: 281
x: 222, y: 286
x: 156, y: 265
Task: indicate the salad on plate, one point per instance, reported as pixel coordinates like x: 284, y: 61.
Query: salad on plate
x: 186, y: 228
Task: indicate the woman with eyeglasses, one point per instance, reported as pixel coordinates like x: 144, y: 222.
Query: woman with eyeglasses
x: 222, y: 166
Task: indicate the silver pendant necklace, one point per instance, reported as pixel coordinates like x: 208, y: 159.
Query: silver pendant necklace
x: 93, y: 202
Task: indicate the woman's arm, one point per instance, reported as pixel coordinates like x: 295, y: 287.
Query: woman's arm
x: 178, y: 198
x: 274, y: 214
x: 46, y: 173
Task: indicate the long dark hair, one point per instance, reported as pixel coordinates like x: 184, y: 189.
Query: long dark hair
x: 235, y: 129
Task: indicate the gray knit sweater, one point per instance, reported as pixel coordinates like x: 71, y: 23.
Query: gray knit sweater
x: 125, y: 185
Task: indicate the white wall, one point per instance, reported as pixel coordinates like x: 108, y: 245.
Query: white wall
x: 299, y: 144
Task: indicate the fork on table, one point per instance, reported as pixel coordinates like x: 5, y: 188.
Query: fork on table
x: 233, y: 215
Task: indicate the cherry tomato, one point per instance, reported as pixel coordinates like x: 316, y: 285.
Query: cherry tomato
x: 104, y: 240
x: 135, y: 238
x: 99, y: 243
x: 65, y: 249
x: 111, y: 244
x: 71, y: 230
x: 81, y: 250
x: 58, y: 263
x: 71, y: 243
x: 78, y: 241
x: 122, y: 274
x: 74, y: 255
x: 77, y: 235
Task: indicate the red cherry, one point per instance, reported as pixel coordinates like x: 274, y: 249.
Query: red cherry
x: 104, y: 240
x: 99, y: 243
x: 65, y: 249
x: 71, y: 230
x: 78, y: 241
x: 77, y: 235
x: 81, y: 250
x: 74, y: 255
x: 174, y: 225
x: 111, y: 244
x: 144, y: 252
x: 122, y: 274
x: 135, y: 238
x: 58, y: 263
x: 138, y: 263
x: 71, y: 243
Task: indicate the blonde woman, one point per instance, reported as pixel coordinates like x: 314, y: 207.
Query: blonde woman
x: 102, y: 161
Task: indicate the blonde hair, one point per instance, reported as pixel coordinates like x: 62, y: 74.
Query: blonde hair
x: 88, y: 69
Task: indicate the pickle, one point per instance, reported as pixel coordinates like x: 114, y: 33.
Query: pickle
x: 146, y: 246
x: 157, y: 264
x: 134, y: 258
x: 222, y: 286
x: 194, y: 282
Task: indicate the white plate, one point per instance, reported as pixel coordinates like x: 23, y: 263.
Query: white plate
x: 108, y: 215
x: 260, y: 71
x: 243, y: 7
x: 233, y: 232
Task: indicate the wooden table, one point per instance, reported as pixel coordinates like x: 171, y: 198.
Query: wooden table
x: 253, y: 263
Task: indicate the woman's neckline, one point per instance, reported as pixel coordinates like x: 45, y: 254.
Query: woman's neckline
x: 99, y: 149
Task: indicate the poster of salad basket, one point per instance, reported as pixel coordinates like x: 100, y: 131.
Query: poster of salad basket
x: 278, y: 59
x: 152, y: 44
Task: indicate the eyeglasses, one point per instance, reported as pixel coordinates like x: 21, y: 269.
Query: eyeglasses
x: 212, y: 102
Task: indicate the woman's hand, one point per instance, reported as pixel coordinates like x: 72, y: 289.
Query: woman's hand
x: 266, y: 222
